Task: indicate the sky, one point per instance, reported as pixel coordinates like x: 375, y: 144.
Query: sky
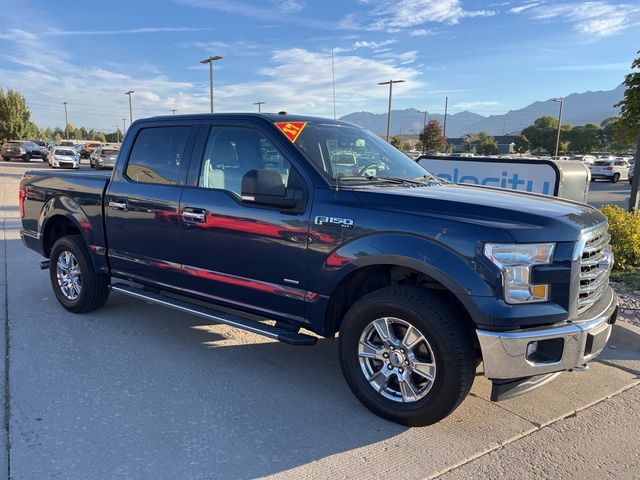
x: 485, y: 56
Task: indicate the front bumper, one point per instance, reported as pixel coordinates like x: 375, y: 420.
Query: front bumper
x: 509, y: 355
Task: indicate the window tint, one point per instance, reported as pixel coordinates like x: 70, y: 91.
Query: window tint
x: 157, y: 154
x: 231, y: 152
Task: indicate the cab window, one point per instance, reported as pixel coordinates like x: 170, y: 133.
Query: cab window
x: 157, y: 154
x: 231, y: 152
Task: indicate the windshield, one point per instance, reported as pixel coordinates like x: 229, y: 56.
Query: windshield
x: 353, y: 154
x: 65, y: 152
x: 602, y: 163
x: 109, y: 152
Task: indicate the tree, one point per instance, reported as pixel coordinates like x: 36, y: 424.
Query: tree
x: 15, y: 117
x: 584, y: 139
x: 431, y: 137
x: 630, y: 119
x: 542, y: 134
x: 521, y: 144
x: 487, y: 145
x: 397, y: 141
x: 418, y: 146
x: 630, y: 104
x: 615, y: 136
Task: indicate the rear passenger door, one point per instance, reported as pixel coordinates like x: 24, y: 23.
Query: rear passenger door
x: 142, y: 203
x: 244, y: 255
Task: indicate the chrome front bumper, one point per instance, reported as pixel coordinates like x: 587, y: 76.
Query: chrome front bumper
x: 504, y: 354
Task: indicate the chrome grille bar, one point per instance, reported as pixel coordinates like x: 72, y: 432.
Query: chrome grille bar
x: 596, y: 261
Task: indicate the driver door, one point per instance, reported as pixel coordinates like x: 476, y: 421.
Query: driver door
x: 244, y: 255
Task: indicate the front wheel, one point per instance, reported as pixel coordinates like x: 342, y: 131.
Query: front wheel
x: 27, y: 158
x: 76, y: 284
x: 406, y: 355
x: 615, y: 178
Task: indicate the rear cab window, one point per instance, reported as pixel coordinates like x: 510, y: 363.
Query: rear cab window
x: 157, y: 155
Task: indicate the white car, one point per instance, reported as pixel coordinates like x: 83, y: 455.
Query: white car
x: 612, y: 170
x: 64, y: 157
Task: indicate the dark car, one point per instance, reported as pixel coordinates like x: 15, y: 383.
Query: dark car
x: 24, y: 150
x: 277, y: 223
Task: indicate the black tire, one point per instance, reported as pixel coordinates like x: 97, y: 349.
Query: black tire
x: 615, y: 178
x: 94, y: 290
x: 6, y: 159
x: 27, y: 157
x: 448, y: 337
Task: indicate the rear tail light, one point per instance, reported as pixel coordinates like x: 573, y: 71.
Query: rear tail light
x: 608, y: 168
x: 22, y: 194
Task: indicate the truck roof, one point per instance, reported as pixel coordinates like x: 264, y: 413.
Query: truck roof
x: 270, y: 117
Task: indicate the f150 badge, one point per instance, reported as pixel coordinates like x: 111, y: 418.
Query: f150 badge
x: 341, y: 222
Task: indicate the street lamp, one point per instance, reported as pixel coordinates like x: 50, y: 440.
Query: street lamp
x: 174, y: 110
x: 390, y: 83
x: 130, y: 110
x: 66, y: 121
x: 210, y: 61
x: 561, y: 100
x: 259, y: 104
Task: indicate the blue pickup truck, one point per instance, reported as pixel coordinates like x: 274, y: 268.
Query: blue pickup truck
x: 286, y: 225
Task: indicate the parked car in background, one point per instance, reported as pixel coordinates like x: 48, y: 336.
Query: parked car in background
x: 588, y: 159
x: 22, y: 150
x: 89, y: 148
x: 103, y: 157
x: 612, y: 170
x: 64, y: 157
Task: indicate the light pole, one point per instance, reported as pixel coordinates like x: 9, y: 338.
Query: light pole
x: 210, y: 61
x: 130, y: 110
x: 561, y: 100
x: 66, y: 121
x: 174, y: 110
x: 424, y: 131
x: 444, y: 127
x: 259, y: 104
x: 390, y: 83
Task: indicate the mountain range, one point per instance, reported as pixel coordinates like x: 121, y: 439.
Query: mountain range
x: 579, y: 109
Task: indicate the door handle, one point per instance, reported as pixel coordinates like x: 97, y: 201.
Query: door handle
x: 191, y: 215
x: 122, y: 205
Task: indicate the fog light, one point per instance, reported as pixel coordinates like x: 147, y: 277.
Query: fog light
x: 532, y: 348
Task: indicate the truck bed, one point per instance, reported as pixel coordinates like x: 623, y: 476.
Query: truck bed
x: 51, y: 194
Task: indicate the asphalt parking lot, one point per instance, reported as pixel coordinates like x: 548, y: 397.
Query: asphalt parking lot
x: 137, y: 391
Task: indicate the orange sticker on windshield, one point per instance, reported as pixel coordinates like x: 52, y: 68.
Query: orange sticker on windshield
x: 291, y: 129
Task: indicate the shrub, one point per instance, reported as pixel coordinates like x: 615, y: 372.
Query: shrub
x: 624, y: 228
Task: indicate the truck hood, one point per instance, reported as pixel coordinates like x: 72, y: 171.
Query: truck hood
x: 526, y: 217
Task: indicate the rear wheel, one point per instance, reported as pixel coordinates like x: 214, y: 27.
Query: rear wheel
x: 27, y: 157
x: 406, y: 355
x: 615, y: 178
x: 76, y: 284
x: 6, y: 159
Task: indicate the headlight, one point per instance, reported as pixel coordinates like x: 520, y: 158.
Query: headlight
x: 515, y: 262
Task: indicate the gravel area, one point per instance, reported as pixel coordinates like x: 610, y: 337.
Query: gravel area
x: 628, y: 304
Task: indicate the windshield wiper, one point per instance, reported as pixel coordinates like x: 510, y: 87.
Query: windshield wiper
x: 373, y: 178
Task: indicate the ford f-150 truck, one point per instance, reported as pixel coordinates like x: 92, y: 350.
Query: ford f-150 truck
x: 281, y: 224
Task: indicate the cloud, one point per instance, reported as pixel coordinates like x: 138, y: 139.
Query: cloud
x: 594, y: 67
x: 130, y: 31
x: 598, y: 19
x: 288, y: 6
x: 524, y: 7
x: 476, y: 104
x: 300, y: 81
x: 413, y: 13
x: 421, y: 32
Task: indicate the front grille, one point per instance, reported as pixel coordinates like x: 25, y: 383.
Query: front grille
x: 595, y: 265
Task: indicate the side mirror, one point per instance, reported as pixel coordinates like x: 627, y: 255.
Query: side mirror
x: 266, y: 187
